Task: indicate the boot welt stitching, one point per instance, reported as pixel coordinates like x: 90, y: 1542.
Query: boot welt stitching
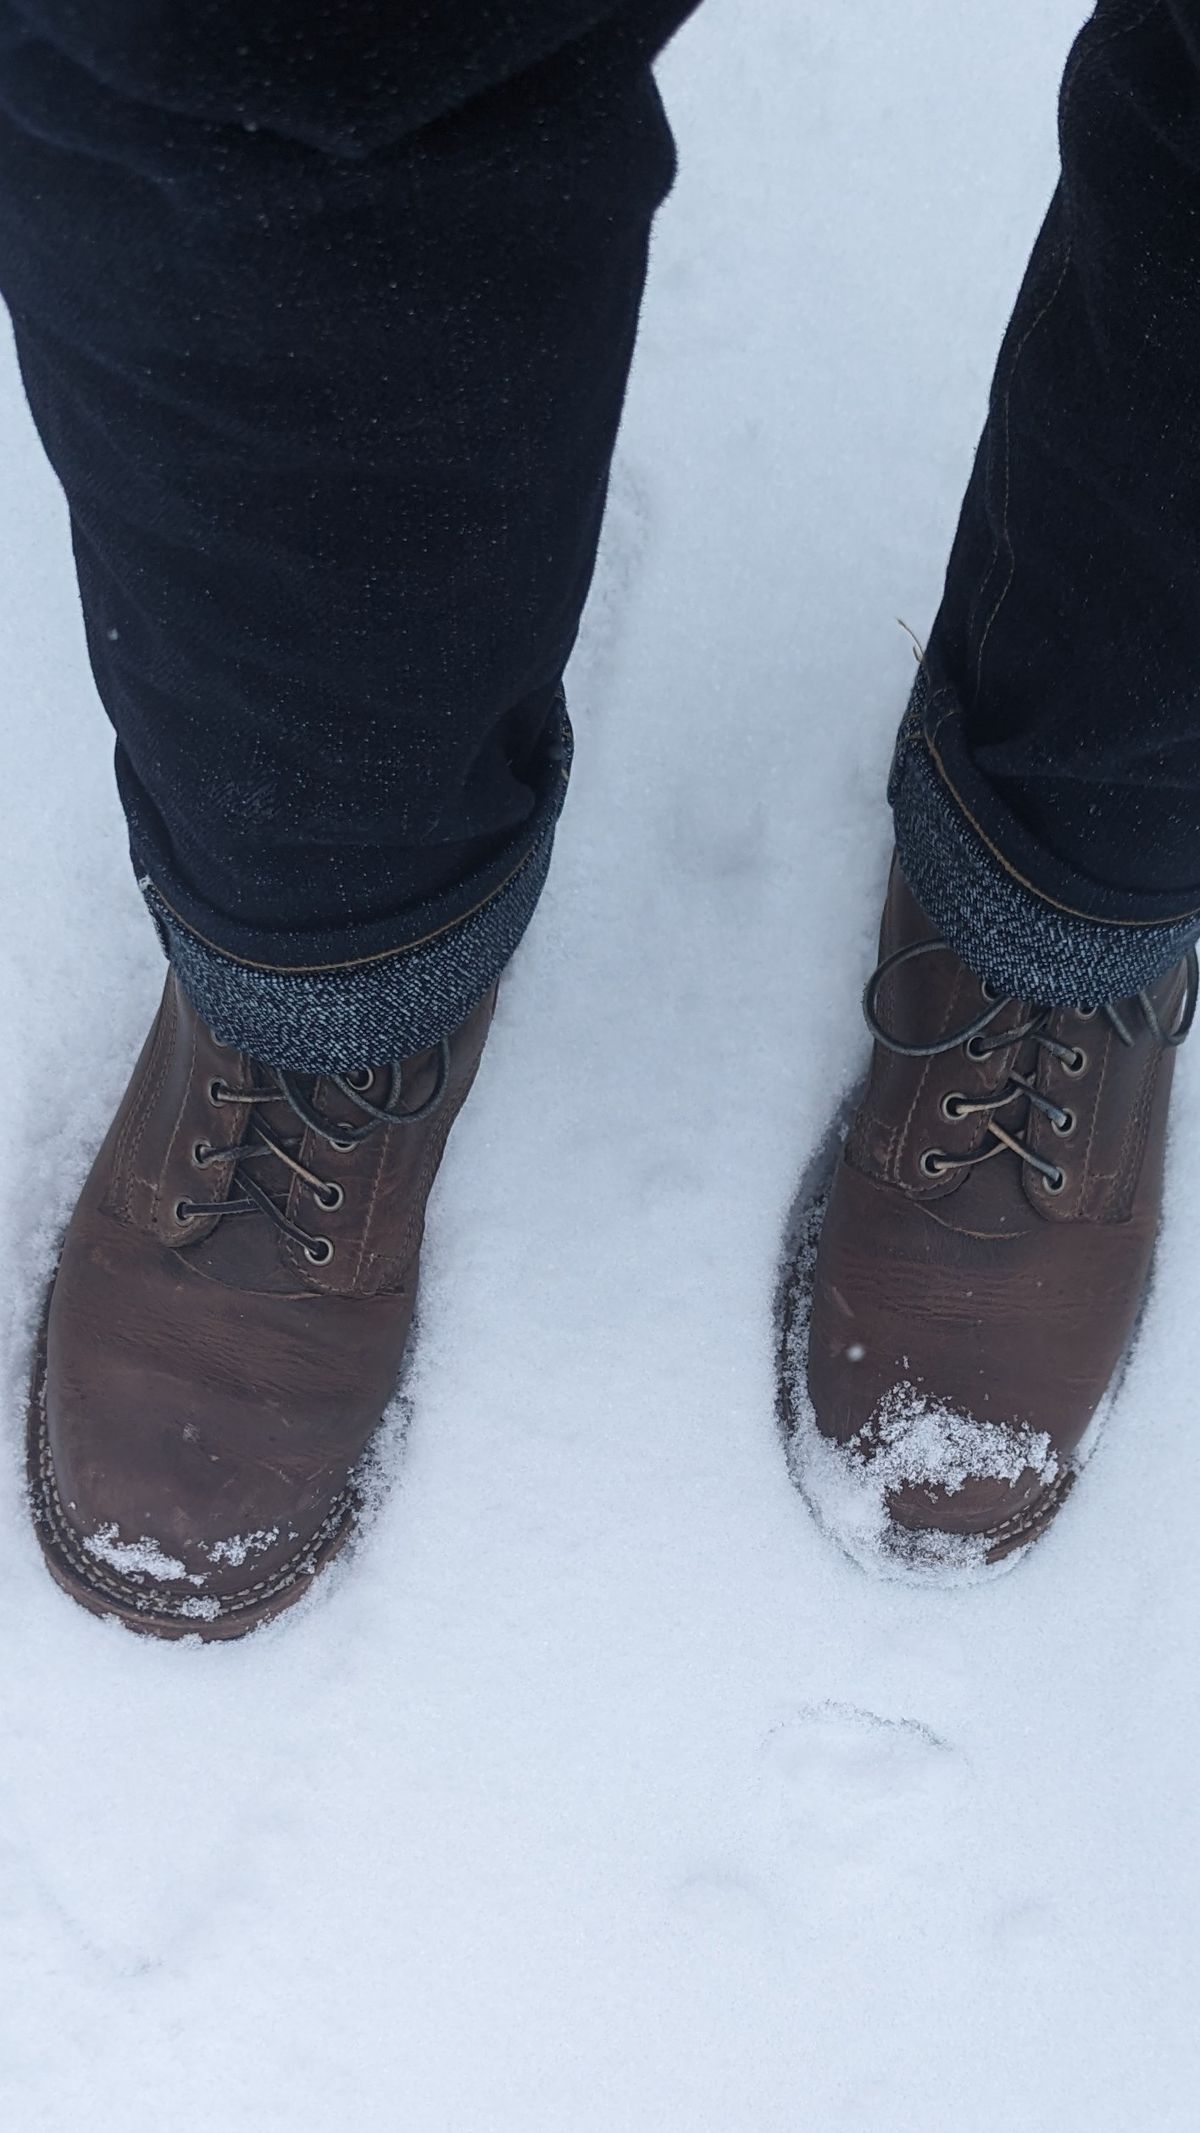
x: 288, y: 1574
x: 1033, y: 1514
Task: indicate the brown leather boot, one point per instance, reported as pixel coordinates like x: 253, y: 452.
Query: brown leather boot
x: 983, y: 1256
x: 227, y: 1323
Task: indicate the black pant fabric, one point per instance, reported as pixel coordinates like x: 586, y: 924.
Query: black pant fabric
x: 1047, y: 782
x: 325, y: 314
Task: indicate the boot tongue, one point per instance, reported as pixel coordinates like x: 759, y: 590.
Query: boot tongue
x: 991, y: 1201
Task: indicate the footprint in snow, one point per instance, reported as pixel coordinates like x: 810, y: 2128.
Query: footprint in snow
x: 867, y: 1787
x: 720, y: 1905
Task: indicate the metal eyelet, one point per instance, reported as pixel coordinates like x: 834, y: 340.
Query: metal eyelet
x: 1069, y: 1123
x: 337, y: 1139
x: 1076, y: 1065
x: 219, y: 1091
x: 330, y: 1196
x: 359, y: 1078
x: 989, y: 993
x: 1056, y: 1182
x: 1087, y: 1014
x: 952, y: 1106
x: 201, y: 1153
x: 319, y: 1250
x: 973, y: 1052
x: 932, y: 1163
x: 184, y: 1211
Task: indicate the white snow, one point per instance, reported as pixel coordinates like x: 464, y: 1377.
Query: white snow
x: 913, y: 1441
x: 596, y: 1791
x: 238, y: 1547
x: 200, y: 1610
x: 142, y: 1558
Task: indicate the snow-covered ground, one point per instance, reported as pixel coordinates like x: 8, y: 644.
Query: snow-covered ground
x: 596, y: 1790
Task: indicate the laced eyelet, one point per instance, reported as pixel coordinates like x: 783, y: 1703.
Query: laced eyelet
x: 1055, y: 1182
x: 953, y: 1106
x: 1077, y: 1064
x: 1068, y: 1124
x: 201, y: 1154
x: 319, y: 1250
x: 976, y: 1050
x: 359, y: 1078
x: 184, y: 1211
x: 219, y: 1091
x: 330, y: 1196
x: 932, y: 1163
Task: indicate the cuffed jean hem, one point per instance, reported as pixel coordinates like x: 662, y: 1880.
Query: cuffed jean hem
x: 1032, y: 927
x: 338, y: 1017
x: 354, y: 1015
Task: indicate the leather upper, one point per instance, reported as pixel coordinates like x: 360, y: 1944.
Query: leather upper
x: 208, y: 1389
x: 990, y: 1291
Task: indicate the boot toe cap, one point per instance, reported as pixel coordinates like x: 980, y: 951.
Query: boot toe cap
x: 937, y: 1363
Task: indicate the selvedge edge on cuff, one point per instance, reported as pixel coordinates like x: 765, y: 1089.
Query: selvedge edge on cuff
x: 339, y: 1019
x: 1027, y: 943
x: 369, y: 1011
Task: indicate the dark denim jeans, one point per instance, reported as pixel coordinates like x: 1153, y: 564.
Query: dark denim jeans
x: 1047, y: 781
x: 325, y: 315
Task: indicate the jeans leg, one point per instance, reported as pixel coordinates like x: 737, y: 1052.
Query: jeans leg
x: 1047, y: 780
x: 325, y: 323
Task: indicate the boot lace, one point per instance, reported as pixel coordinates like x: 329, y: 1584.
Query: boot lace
x: 981, y: 1038
x: 342, y: 1134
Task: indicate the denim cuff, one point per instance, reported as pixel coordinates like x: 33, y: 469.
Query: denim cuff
x: 1032, y: 927
x: 325, y: 1018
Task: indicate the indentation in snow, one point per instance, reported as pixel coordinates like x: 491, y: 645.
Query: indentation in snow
x: 860, y: 1786
x: 839, y: 1754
